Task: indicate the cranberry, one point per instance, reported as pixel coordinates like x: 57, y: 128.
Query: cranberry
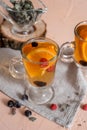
x: 53, y: 107
x: 51, y: 68
x: 44, y: 62
x: 84, y: 107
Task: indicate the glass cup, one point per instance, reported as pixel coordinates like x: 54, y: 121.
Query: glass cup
x: 22, y: 14
x: 39, y: 57
x: 77, y: 50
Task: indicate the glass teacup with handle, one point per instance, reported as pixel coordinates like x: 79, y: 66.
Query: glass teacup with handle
x: 77, y: 50
x: 39, y: 57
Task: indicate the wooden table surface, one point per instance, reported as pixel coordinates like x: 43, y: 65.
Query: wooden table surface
x: 61, y: 18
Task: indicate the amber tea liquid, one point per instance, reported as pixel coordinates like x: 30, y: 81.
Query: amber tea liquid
x: 80, y: 54
x: 39, y: 60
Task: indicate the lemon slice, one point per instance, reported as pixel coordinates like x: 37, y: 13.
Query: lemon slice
x: 84, y: 51
x: 41, y: 50
x: 41, y: 53
x: 34, y: 70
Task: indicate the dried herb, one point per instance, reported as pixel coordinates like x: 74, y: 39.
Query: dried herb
x: 53, y: 106
x: 79, y: 125
x: 32, y: 118
x: 23, y: 12
x: 63, y: 107
x: 77, y: 93
x: 13, y: 111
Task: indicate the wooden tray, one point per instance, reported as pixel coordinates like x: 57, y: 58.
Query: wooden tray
x: 7, y: 39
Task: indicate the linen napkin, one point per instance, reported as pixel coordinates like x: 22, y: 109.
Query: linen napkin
x: 69, y: 87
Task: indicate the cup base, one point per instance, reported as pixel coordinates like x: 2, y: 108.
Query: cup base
x: 41, y: 96
x: 20, y: 33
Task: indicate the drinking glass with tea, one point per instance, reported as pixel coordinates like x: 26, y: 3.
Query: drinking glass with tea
x: 39, y: 57
x: 81, y: 43
x: 77, y: 50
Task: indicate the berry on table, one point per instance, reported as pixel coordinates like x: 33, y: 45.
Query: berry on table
x: 51, y: 68
x: 17, y: 104
x: 25, y: 97
x: 84, y: 107
x: 10, y: 103
x: 44, y: 62
x: 53, y: 106
x: 27, y: 113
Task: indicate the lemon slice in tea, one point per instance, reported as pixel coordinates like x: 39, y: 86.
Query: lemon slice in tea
x: 39, y: 53
x: 33, y: 67
x: 84, y: 51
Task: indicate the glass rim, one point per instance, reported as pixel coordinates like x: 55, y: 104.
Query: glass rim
x: 75, y: 30
x: 29, y: 10
x: 39, y: 39
x: 43, y: 8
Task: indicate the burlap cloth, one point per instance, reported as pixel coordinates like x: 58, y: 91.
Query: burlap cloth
x: 69, y: 86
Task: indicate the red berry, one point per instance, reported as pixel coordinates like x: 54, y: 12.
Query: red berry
x: 53, y: 107
x: 44, y: 62
x: 84, y: 107
x: 51, y: 68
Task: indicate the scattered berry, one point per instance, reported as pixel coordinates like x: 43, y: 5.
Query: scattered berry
x: 27, y: 113
x: 34, y: 44
x: 53, y: 107
x: 84, y: 107
x: 25, y: 97
x: 44, y: 62
x: 17, y: 104
x: 51, y: 68
x: 10, y: 103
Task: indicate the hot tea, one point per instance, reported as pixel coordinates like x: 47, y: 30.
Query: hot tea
x: 39, y: 61
x: 80, y: 54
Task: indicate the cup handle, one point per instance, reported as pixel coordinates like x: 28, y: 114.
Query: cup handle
x: 67, y: 51
x: 16, y: 68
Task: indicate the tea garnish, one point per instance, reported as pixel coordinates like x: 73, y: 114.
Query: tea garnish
x: 84, y: 51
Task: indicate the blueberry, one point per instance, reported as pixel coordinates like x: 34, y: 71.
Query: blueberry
x: 27, y: 113
x: 34, y: 44
x: 40, y: 83
x: 10, y: 103
x: 17, y: 104
x: 84, y: 63
x: 25, y: 97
